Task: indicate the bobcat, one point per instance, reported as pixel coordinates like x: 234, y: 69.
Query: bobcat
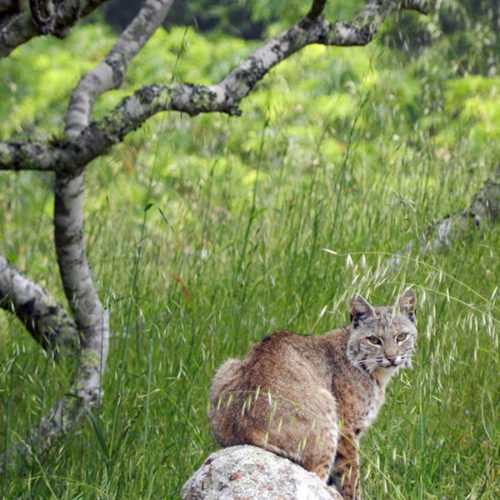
x: 310, y: 398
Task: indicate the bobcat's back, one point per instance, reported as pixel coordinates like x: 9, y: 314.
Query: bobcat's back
x: 279, y: 398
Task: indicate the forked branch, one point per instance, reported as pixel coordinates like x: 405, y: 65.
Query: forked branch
x: 92, y: 321
x: 72, y: 154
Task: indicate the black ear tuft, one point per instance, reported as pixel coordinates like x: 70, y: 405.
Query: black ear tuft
x: 360, y: 309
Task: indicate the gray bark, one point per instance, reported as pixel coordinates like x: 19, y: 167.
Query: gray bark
x: 43, y: 317
x: 109, y: 74
x: 484, y: 208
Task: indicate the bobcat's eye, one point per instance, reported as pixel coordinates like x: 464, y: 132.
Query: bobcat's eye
x: 374, y: 340
x: 402, y: 336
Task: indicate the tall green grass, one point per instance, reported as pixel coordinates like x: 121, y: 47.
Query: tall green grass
x: 207, y: 234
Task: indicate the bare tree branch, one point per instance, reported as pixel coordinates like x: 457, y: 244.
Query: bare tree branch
x: 109, y: 74
x: 32, y: 155
x: 22, y: 20
x: 43, y: 317
x: 72, y: 154
x: 84, y: 392
x: 91, y: 319
x: 484, y: 208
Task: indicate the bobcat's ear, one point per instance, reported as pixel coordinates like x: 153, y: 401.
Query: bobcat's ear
x: 407, y: 303
x: 360, y: 309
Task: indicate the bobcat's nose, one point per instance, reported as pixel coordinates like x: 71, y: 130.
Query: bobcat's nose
x: 391, y: 358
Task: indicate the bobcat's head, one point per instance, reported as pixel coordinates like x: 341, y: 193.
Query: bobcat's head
x: 382, y: 337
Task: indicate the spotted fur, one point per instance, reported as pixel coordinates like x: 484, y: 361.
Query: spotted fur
x: 310, y: 398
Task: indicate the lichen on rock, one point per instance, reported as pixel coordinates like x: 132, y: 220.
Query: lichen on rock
x: 252, y: 473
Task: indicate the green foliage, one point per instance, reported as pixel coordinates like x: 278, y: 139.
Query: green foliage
x: 206, y: 234
x: 37, y: 79
x: 475, y: 100
x: 465, y: 32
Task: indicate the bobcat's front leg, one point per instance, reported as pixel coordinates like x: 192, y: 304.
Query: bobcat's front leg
x: 345, y: 473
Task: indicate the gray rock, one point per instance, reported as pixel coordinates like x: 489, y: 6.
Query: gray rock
x: 251, y: 473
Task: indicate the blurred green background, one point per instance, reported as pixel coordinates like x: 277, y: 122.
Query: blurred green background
x: 205, y: 234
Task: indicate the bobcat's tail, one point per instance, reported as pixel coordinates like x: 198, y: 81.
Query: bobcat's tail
x: 224, y: 397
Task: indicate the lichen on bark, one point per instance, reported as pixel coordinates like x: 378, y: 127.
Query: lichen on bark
x: 44, y: 318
